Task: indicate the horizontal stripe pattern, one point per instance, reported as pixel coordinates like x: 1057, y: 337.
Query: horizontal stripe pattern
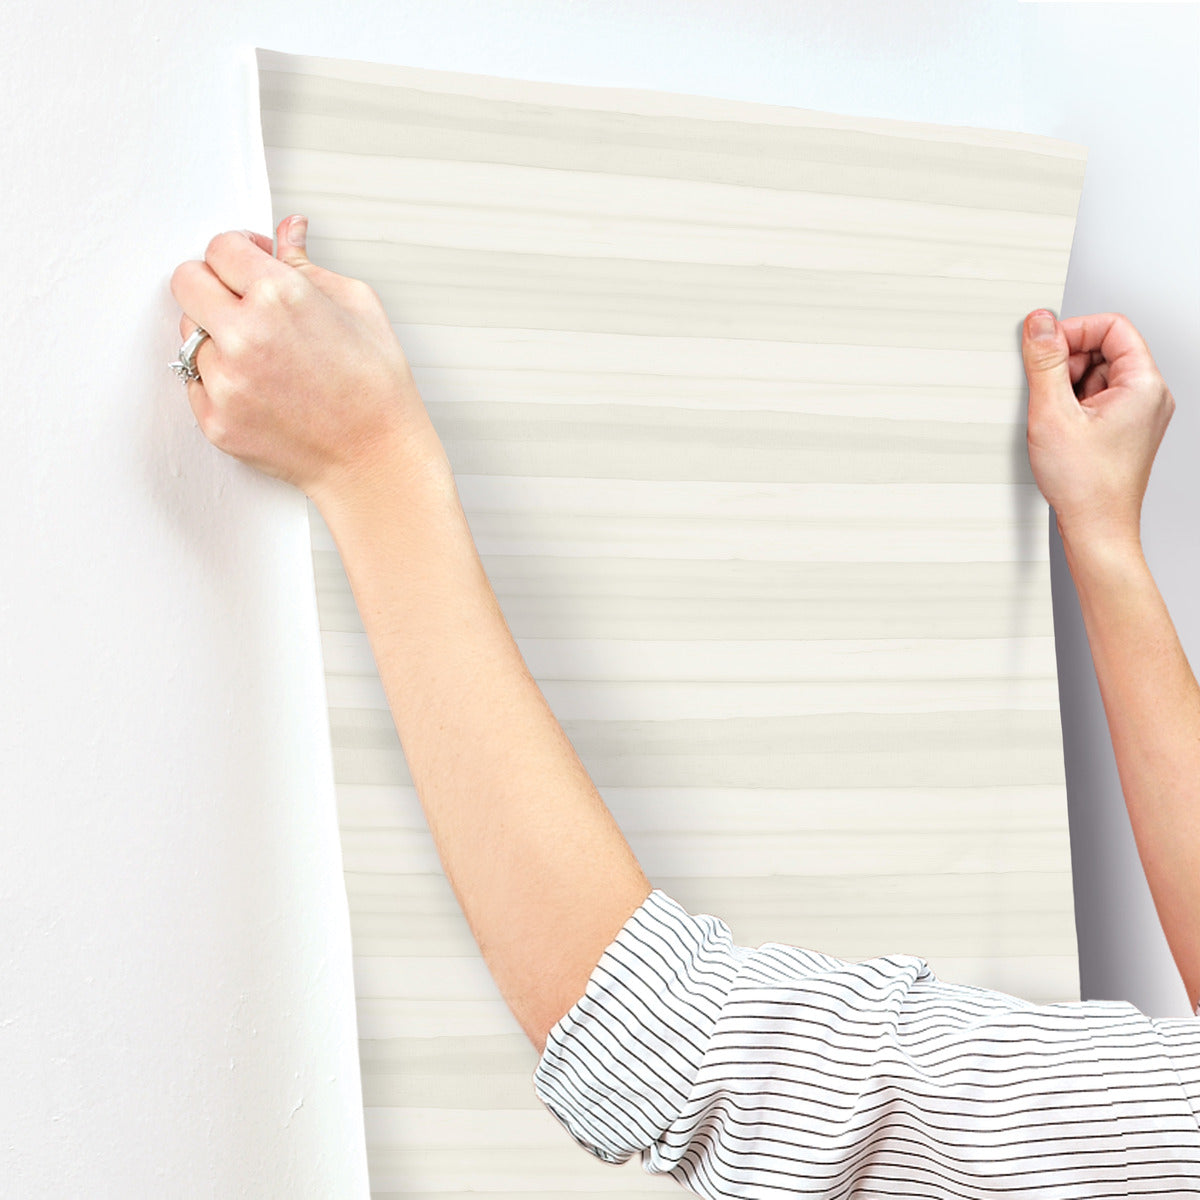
x: 583, y: 213
x: 846, y: 749
x: 392, y: 120
x: 733, y: 397
x: 581, y: 597
x: 776, y: 1070
x: 679, y: 299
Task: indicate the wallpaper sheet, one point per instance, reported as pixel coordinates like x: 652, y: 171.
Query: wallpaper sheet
x: 734, y: 399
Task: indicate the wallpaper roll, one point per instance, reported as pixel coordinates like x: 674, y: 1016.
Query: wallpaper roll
x: 734, y: 400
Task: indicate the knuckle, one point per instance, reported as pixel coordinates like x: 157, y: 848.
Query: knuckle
x: 234, y: 343
x: 291, y: 288
x: 257, y: 291
x: 180, y: 275
x: 264, y: 290
x: 1149, y: 391
x: 1128, y: 327
x: 1042, y: 355
x: 216, y: 242
x: 277, y: 290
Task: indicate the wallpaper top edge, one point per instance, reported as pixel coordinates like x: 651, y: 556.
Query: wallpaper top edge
x: 651, y: 102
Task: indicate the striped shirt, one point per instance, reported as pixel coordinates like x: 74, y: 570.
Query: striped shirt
x: 778, y: 1071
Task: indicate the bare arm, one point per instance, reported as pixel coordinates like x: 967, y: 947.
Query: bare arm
x: 303, y: 378
x: 541, y: 870
x: 1152, y: 703
x: 1098, y: 409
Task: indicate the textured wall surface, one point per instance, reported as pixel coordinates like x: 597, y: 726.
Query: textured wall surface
x: 732, y: 402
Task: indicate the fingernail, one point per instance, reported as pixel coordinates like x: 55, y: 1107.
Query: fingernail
x: 1041, y: 324
x: 296, y: 230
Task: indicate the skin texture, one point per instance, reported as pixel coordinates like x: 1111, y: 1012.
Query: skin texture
x: 303, y: 378
x: 1098, y: 410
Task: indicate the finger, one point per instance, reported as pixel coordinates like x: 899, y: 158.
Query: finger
x: 186, y: 327
x: 261, y: 240
x: 1046, y: 355
x: 203, y: 296
x: 291, y: 238
x: 1080, y: 362
x: 237, y: 259
x: 1095, y: 381
x: 1111, y: 336
x: 198, y: 397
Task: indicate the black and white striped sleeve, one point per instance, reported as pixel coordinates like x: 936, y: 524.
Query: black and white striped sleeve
x: 780, y: 1071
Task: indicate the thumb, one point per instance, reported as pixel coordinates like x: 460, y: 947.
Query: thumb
x: 290, y: 239
x: 1047, y: 356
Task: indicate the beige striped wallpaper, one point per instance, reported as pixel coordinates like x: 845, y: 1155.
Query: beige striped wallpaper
x: 734, y: 398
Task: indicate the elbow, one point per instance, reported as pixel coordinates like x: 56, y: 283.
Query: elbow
x: 1192, y: 987
x: 542, y: 1013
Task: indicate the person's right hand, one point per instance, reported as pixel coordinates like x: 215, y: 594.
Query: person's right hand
x: 1098, y: 409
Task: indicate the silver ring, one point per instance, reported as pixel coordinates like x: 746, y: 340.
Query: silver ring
x: 185, y: 366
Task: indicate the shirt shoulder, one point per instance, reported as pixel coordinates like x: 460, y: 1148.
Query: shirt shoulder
x: 775, y: 1062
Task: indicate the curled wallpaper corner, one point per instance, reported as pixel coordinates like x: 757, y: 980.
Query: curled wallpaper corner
x: 734, y: 400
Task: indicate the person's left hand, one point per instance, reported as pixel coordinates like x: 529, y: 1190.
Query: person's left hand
x: 302, y: 375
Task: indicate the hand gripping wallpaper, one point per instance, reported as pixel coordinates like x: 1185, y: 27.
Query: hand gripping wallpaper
x: 734, y: 399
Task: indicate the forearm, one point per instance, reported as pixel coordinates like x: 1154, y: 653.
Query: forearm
x: 541, y: 870
x: 1152, y: 703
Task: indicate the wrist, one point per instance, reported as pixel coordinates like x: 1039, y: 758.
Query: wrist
x: 402, y: 472
x: 1094, y: 552
x: 1081, y: 538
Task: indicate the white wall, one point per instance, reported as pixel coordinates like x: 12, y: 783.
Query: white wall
x: 1124, y: 79
x: 175, y: 994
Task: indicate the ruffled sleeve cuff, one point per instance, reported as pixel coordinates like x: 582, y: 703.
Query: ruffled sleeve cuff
x: 619, y: 1065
